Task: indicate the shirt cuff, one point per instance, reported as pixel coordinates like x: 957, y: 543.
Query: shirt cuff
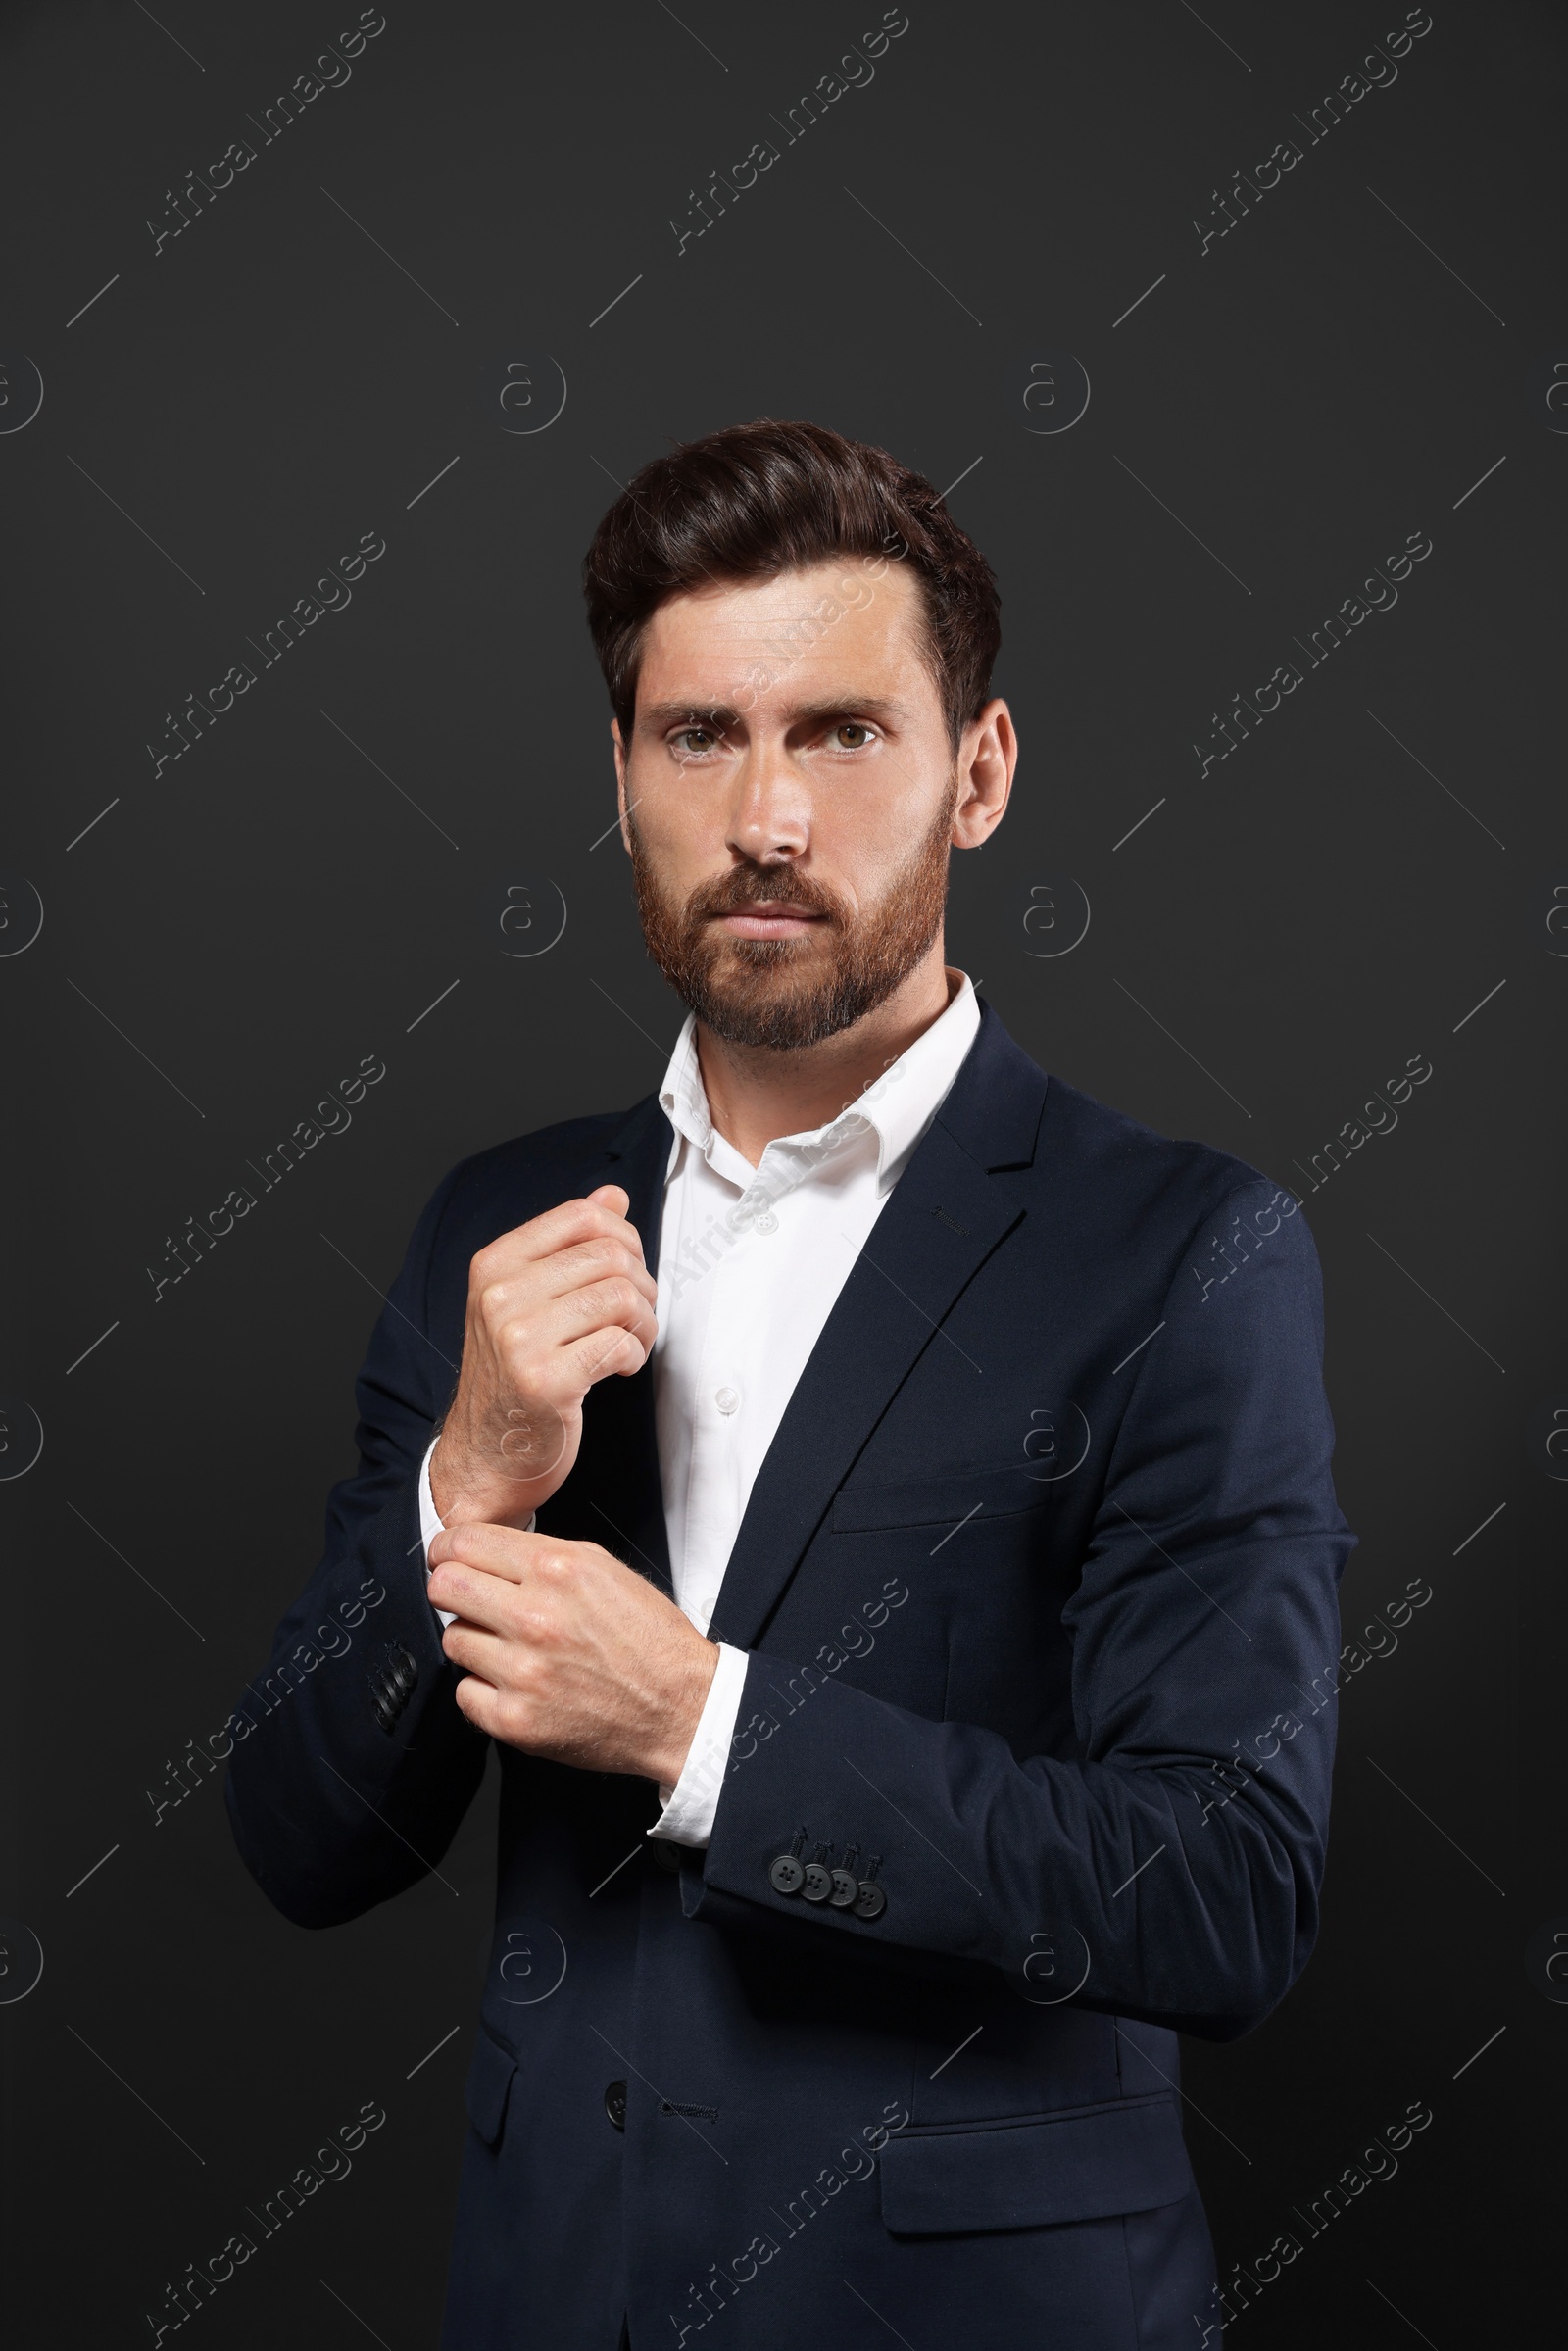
x: 432, y: 1521
x: 691, y: 1804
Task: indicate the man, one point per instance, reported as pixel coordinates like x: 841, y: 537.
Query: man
x: 882, y: 1515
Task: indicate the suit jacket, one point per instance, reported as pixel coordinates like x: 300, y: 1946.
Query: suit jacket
x: 1039, y: 1583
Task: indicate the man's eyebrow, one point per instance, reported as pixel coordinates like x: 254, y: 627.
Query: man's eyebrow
x: 835, y: 706
x: 723, y: 715
x: 673, y: 714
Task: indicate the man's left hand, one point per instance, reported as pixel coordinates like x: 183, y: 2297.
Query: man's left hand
x: 569, y: 1654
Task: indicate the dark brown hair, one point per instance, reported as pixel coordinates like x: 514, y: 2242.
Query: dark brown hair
x: 759, y: 499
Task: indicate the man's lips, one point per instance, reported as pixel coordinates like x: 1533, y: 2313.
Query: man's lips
x: 767, y: 921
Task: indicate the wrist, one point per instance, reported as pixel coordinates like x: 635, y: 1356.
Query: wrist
x: 464, y: 1495
x: 678, y: 1727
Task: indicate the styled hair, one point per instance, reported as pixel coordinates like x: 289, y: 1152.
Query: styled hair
x: 760, y: 499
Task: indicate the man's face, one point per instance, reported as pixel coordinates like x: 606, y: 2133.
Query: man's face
x: 789, y: 793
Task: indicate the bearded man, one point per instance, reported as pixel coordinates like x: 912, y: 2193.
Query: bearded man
x: 882, y: 1517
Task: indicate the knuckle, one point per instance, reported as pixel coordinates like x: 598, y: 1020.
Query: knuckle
x: 518, y: 1684
x: 514, y: 1716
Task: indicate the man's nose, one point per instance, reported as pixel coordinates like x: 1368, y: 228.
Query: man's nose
x: 770, y: 818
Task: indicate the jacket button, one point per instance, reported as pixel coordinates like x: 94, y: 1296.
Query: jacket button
x: 391, y: 1684
x: 616, y: 2104
x: 665, y: 1854
x: 818, y: 1883
x: 869, y: 1900
x: 787, y: 1872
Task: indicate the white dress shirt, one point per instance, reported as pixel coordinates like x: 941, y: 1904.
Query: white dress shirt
x: 751, y: 1261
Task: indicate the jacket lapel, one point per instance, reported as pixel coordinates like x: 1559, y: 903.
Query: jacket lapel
x: 945, y: 1217
x: 614, y: 1495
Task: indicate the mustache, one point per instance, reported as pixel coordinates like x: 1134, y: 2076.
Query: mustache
x: 735, y: 893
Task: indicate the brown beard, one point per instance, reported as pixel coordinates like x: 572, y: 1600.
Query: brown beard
x: 749, y: 991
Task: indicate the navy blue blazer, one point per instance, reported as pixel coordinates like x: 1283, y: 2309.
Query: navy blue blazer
x: 1038, y: 1585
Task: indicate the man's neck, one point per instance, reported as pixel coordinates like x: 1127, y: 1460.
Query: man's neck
x: 755, y: 1093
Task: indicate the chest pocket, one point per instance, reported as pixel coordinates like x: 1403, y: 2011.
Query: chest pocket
x: 866, y: 1505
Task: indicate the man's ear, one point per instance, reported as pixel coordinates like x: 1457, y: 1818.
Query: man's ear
x: 988, y: 754
x: 620, y: 781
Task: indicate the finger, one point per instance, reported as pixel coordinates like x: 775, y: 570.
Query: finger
x: 559, y: 1227
x: 480, y: 1702
x: 508, y: 1553
x: 600, y: 1259
x: 555, y: 1355
x: 477, y: 1651
x: 608, y: 1352
x: 483, y: 1603
x: 518, y: 1309
x: 599, y: 1306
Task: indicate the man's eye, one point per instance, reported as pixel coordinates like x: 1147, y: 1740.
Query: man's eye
x: 693, y: 741
x: 851, y: 735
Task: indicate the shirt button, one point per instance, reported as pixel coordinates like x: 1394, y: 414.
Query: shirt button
x: 726, y: 1398
x: 768, y: 1222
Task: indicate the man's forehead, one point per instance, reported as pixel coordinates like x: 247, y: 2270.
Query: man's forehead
x: 803, y: 622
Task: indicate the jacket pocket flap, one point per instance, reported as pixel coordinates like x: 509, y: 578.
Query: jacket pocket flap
x: 1082, y: 2166
x: 489, y: 2081
x: 860, y: 1507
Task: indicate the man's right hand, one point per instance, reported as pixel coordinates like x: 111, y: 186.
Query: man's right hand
x: 564, y: 1301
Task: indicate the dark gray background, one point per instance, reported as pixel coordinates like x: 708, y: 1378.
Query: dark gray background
x: 226, y: 940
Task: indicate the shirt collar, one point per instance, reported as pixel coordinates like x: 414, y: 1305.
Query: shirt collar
x: 897, y: 1107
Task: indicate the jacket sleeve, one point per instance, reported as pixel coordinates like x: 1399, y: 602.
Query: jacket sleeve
x: 352, y: 1766
x: 1171, y: 1870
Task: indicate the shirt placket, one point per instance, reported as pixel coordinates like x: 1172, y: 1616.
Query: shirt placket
x: 718, y: 1404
